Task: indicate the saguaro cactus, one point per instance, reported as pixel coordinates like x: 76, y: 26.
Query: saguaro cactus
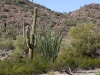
x: 5, y: 25
x: 31, y: 36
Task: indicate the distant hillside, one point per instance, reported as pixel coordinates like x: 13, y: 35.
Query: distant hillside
x: 15, y: 12
x: 87, y: 13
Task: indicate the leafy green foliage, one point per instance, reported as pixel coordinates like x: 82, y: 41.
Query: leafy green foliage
x: 85, y: 39
x: 66, y: 59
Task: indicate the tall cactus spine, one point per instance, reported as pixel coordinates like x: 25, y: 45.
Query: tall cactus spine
x: 31, y: 36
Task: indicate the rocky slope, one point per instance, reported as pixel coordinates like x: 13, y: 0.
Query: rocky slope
x: 15, y: 12
x: 87, y: 13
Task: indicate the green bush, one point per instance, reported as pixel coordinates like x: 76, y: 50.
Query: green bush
x: 19, y: 45
x: 5, y: 67
x: 81, y: 62
x: 6, y: 43
x: 16, y: 67
x: 8, y: 32
x: 23, y: 66
x: 89, y: 63
x: 66, y: 58
x: 85, y: 39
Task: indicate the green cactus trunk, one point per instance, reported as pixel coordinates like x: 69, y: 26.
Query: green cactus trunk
x: 31, y: 36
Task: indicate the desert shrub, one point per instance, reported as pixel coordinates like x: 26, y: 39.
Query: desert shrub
x: 6, y: 10
x: 16, y: 67
x: 2, y: 28
x: 79, y: 51
x: 11, y: 33
x: 71, y: 23
x: 3, y: 16
x: 11, y: 22
x: 19, y: 45
x: 64, y: 62
x: 25, y: 15
x: 8, y: 32
x: 90, y: 63
x: 5, y: 67
x: 66, y: 58
x: 85, y: 39
x: 6, y: 43
x: 23, y: 66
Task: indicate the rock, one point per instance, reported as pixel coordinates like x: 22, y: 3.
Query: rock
x: 4, y: 53
x: 97, y: 52
x: 6, y: 50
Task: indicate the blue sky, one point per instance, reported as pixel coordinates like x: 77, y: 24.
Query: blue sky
x: 64, y: 5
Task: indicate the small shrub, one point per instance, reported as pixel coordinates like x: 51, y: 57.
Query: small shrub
x: 5, y: 67
x: 51, y: 73
x: 23, y: 66
x: 84, y: 39
x: 19, y: 45
x: 6, y: 43
x: 25, y: 15
x: 8, y: 33
x: 6, y: 10
x: 3, y: 16
x: 89, y: 63
x: 11, y: 22
x: 67, y: 59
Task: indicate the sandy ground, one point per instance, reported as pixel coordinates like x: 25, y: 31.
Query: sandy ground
x: 82, y: 72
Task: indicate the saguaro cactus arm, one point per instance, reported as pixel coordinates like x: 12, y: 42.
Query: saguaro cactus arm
x: 34, y: 21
